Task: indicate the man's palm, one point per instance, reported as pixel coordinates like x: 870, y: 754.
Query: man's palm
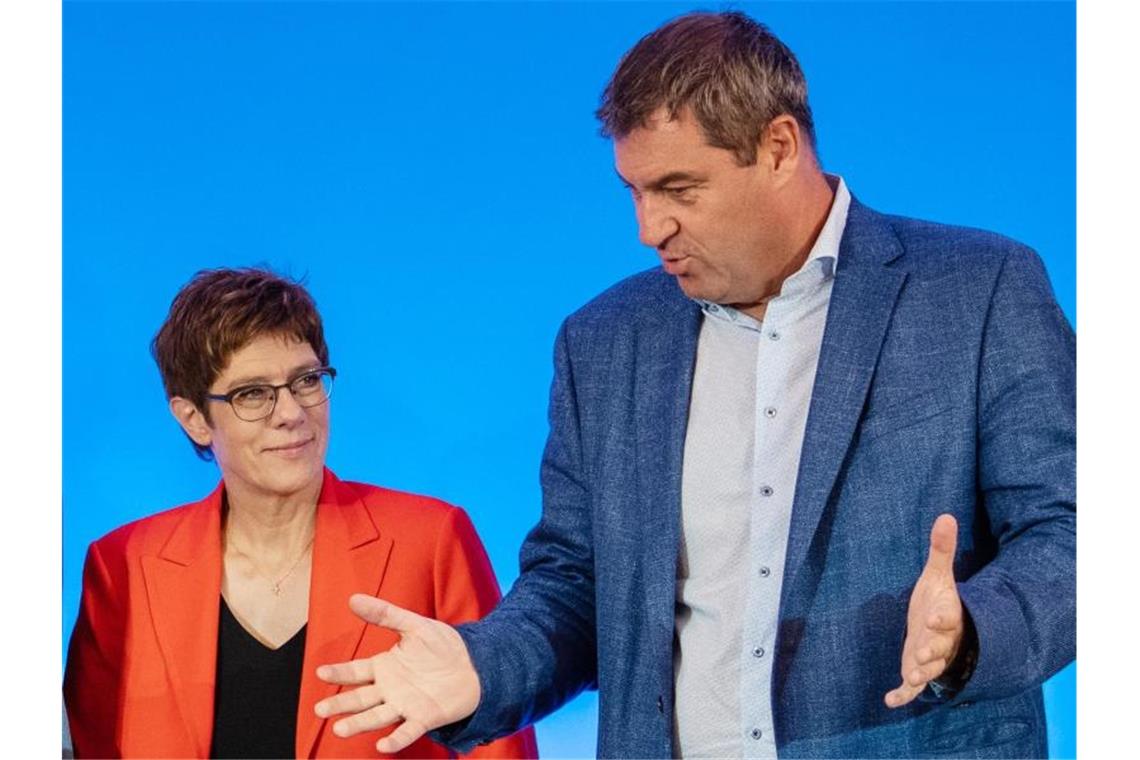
x: 425, y: 681
x: 934, y: 621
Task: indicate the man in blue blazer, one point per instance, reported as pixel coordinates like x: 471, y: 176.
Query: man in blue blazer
x: 809, y: 486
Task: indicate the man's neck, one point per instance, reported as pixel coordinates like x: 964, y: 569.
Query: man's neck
x: 807, y: 214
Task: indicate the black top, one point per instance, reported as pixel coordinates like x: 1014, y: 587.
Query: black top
x: 255, y: 692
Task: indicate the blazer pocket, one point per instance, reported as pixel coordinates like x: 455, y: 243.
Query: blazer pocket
x: 900, y: 415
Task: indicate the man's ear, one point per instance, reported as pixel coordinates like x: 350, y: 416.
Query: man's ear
x: 192, y: 420
x: 781, y: 147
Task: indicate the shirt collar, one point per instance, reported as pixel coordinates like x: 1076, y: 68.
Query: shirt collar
x: 825, y: 250
x: 827, y: 243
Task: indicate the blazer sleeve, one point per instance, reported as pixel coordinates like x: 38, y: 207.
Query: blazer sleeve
x: 538, y: 648
x: 466, y: 590
x: 1023, y: 602
x: 93, y: 678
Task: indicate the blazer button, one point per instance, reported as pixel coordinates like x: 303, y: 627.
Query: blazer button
x: 660, y: 704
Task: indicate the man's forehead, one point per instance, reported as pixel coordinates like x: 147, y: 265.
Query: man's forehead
x: 664, y: 125
x: 665, y: 146
x: 664, y: 119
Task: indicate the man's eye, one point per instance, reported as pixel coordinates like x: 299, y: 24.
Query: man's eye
x: 678, y: 192
x: 254, y: 395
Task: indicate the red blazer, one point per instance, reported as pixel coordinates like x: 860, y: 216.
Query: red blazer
x: 141, y: 665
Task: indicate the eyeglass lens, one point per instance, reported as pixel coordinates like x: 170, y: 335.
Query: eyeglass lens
x: 257, y: 401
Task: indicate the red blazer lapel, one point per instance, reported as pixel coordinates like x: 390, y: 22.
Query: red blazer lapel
x: 183, y: 584
x: 350, y: 556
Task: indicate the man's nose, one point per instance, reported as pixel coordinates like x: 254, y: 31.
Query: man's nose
x: 655, y: 225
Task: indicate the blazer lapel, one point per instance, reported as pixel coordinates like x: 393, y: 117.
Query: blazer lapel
x: 666, y: 353
x: 350, y: 556
x: 862, y: 301
x: 183, y: 585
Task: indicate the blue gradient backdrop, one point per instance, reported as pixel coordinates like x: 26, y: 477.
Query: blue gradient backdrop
x: 434, y: 172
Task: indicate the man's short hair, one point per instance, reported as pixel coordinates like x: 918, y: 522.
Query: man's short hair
x: 733, y: 74
x: 219, y: 312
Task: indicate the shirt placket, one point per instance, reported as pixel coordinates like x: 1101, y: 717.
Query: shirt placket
x: 770, y: 500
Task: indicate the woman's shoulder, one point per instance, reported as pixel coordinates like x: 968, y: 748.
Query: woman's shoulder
x: 403, y: 505
x: 147, y: 534
x: 408, y: 514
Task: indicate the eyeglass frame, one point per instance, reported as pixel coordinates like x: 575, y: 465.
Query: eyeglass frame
x: 229, y: 397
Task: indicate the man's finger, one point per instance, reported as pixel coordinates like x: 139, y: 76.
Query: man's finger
x: 942, y: 621
x: 378, y: 717
x: 384, y: 614
x: 406, y: 733
x: 918, y: 676
x: 943, y: 544
x: 351, y: 701
x: 346, y: 673
x: 901, y: 696
x: 936, y: 648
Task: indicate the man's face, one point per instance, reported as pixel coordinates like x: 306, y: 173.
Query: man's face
x: 709, y: 219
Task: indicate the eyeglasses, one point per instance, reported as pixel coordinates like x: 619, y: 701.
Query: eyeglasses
x: 256, y: 402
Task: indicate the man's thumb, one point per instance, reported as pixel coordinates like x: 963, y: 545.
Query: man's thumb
x: 384, y: 614
x: 943, y: 544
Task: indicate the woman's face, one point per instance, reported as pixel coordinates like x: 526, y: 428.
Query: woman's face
x: 281, y: 455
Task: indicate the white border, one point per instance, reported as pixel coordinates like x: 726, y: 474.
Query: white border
x: 30, y: 307
x: 30, y: 311
x: 1107, y: 248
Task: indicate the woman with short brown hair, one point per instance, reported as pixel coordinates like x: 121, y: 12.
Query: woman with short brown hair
x: 200, y: 628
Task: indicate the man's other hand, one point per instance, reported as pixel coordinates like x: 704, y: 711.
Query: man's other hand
x: 934, y: 620
x: 424, y: 682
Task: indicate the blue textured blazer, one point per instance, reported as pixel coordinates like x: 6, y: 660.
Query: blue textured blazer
x: 945, y: 383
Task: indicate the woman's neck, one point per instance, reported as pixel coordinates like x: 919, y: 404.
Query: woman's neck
x: 269, y: 526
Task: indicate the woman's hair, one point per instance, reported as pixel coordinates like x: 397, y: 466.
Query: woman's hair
x: 216, y: 314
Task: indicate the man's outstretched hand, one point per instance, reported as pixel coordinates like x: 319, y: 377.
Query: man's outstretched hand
x: 934, y: 620
x: 426, y: 680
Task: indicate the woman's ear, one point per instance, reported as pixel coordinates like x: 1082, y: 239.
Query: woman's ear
x: 192, y: 420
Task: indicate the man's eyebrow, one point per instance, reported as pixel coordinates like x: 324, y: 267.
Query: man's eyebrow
x: 664, y: 181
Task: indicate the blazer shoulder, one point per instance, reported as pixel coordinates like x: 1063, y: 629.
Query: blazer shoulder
x: 145, y: 535
x: 402, y: 509
x: 645, y: 294
x: 937, y: 247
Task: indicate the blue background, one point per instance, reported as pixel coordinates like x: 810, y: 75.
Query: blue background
x: 434, y: 172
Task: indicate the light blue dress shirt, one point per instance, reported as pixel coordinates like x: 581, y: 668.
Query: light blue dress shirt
x: 752, y: 387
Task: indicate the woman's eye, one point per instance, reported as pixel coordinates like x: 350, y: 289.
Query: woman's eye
x: 253, y: 395
x: 309, y: 381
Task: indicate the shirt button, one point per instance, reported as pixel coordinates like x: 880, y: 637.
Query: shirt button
x: 758, y: 652
x: 713, y: 307
x: 756, y: 733
x: 765, y: 572
x: 774, y: 335
x: 770, y: 412
x: 766, y: 491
